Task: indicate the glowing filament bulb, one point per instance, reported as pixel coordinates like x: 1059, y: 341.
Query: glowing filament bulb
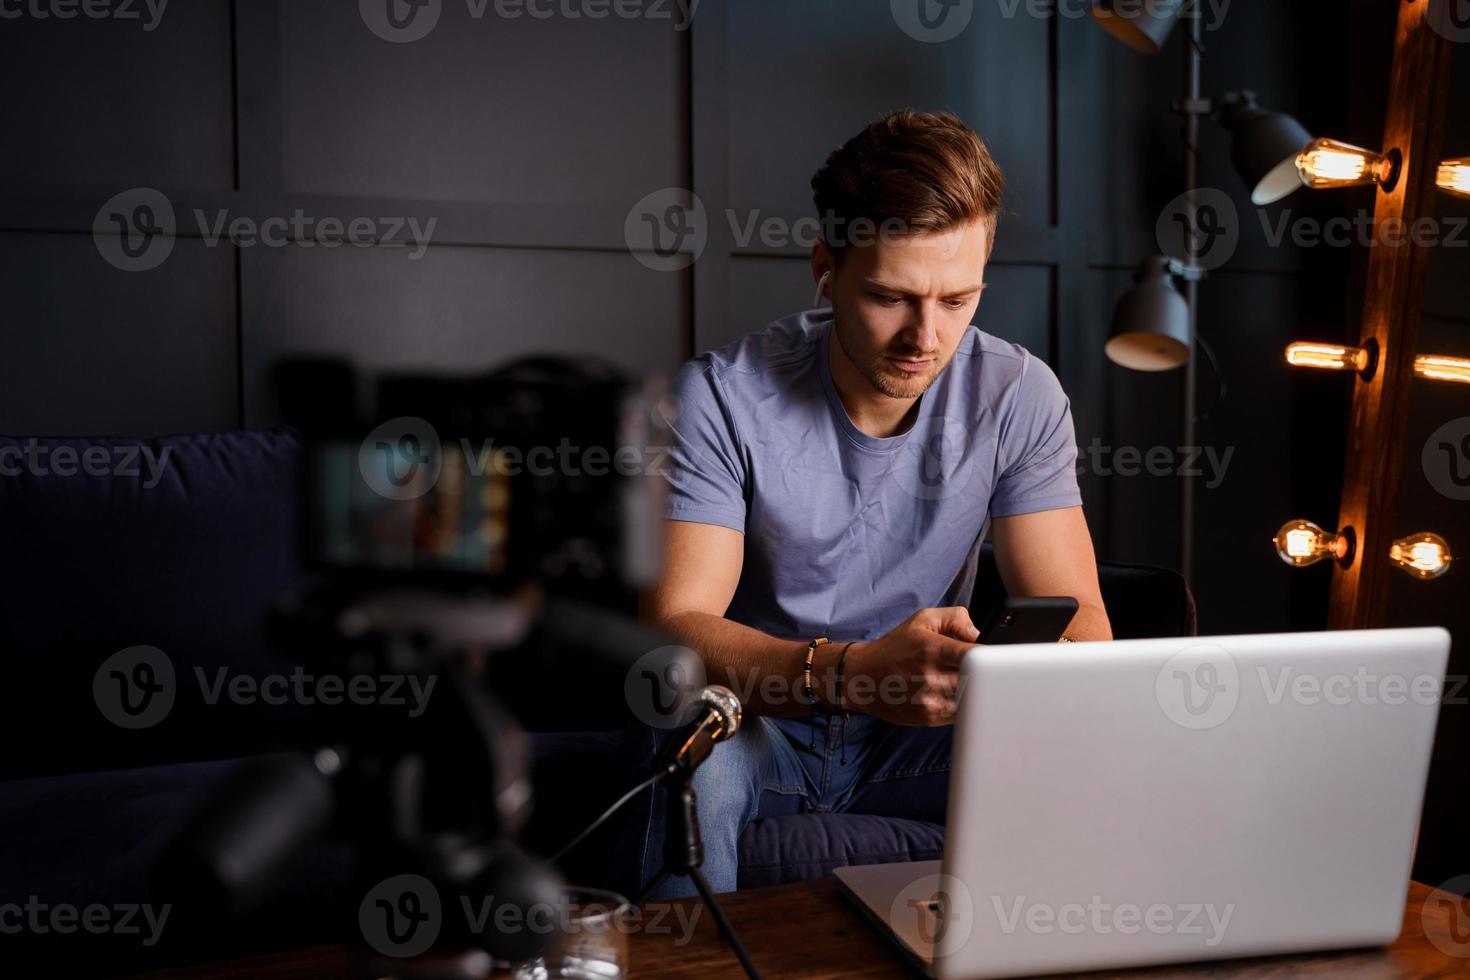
x: 1454, y: 176
x: 1303, y: 543
x: 1328, y: 163
x: 1425, y: 555
x: 1332, y: 356
x: 1440, y: 368
x: 1336, y: 357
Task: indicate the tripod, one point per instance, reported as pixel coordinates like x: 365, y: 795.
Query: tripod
x: 683, y: 855
x: 432, y: 803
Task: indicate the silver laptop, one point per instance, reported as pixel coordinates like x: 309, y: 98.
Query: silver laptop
x: 1155, y: 801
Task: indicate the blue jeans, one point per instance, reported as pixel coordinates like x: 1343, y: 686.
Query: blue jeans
x: 770, y: 768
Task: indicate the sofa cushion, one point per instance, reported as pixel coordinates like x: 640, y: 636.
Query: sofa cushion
x: 177, y: 543
x: 91, y: 840
x: 777, y: 850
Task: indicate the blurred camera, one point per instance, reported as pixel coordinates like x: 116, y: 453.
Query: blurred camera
x: 546, y: 471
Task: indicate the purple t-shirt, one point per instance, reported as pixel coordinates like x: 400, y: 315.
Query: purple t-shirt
x: 847, y: 535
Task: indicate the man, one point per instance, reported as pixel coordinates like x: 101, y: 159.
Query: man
x: 834, y: 477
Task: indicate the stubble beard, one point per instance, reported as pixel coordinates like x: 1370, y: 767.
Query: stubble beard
x: 874, y: 367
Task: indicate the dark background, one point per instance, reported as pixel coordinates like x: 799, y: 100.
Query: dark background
x: 530, y: 141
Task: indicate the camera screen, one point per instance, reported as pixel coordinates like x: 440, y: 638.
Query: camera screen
x: 397, y: 502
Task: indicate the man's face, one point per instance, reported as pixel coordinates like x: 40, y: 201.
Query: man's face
x: 901, y: 305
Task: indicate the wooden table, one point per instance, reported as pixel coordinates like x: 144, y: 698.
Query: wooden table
x: 810, y: 930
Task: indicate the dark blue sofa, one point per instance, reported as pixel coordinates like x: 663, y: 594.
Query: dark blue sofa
x: 184, y: 552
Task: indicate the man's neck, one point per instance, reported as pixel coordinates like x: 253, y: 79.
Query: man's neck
x: 871, y: 411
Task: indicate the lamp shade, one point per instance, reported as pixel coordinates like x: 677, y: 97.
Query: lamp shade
x: 1264, y: 151
x: 1142, y: 26
x: 1151, y: 322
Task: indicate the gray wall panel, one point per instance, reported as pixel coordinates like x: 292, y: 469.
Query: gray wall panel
x: 131, y: 354
x: 462, y: 309
x: 806, y: 76
x: 1017, y: 306
x: 116, y: 104
x: 484, y: 110
x: 761, y: 290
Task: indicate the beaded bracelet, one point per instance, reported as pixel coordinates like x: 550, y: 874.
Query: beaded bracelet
x: 807, y: 689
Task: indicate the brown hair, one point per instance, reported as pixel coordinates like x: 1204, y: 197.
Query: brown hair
x: 908, y: 173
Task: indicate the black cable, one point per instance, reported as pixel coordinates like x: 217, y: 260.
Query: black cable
x: 700, y: 883
x: 610, y: 811
x: 1222, y: 390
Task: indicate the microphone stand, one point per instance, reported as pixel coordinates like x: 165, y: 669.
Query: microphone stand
x: 684, y: 854
x: 683, y: 846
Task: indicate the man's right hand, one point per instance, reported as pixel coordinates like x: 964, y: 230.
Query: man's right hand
x: 910, y: 675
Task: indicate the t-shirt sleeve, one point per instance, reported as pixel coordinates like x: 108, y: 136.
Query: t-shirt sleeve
x: 1038, y: 448
x: 707, y: 473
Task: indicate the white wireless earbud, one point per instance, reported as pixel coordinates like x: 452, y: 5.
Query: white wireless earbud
x: 821, y: 285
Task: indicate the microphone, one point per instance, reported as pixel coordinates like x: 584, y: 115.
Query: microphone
x: 717, y: 717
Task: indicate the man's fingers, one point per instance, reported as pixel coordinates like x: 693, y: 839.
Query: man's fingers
x: 954, y: 621
x: 952, y: 651
x: 941, y: 699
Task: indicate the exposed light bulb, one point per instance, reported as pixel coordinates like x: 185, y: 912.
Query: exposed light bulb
x: 1439, y: 368
x: 1329, y: 163
x: 1301, y: 543
x: 1454, y: 177
x: 1425, y: 555
x: 1331, y: 356
x: 1337, y: 357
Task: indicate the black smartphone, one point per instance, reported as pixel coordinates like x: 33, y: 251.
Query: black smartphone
x: 1032, y: 619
